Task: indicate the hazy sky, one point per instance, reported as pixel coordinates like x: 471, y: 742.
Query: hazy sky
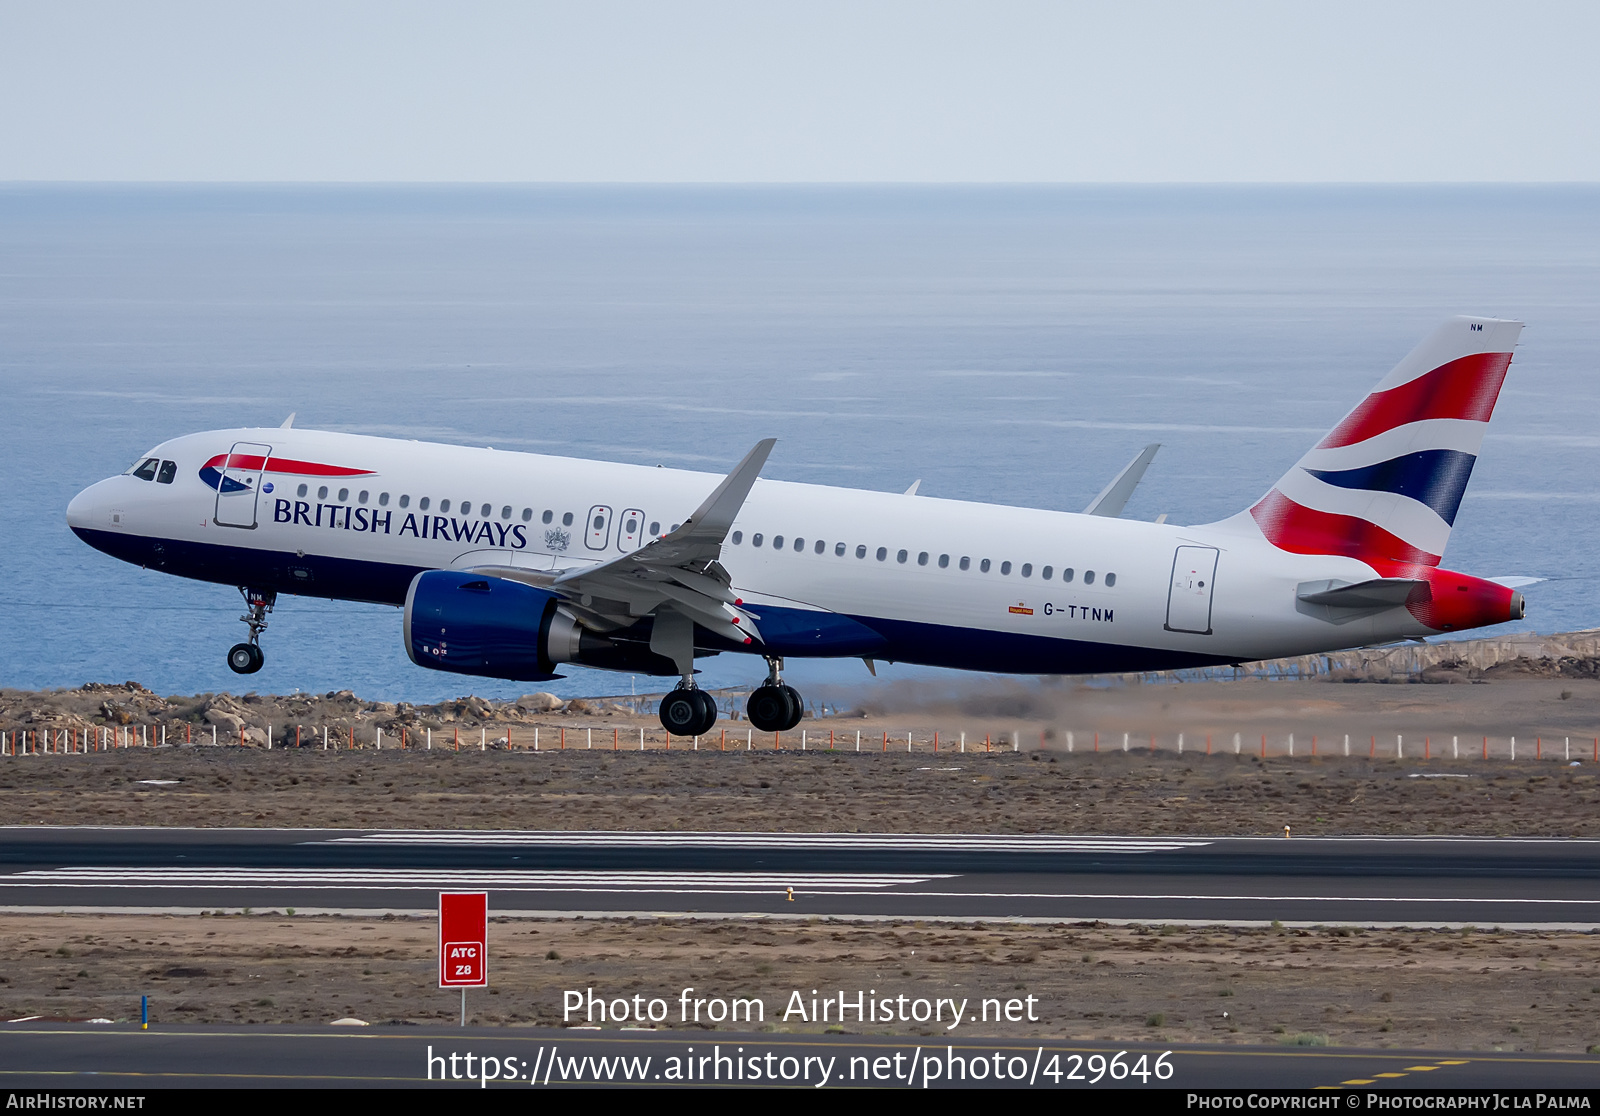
x: 799, y: 92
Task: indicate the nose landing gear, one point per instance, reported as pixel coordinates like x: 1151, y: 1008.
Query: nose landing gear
x: 246, y: 658
x: 775, y: 706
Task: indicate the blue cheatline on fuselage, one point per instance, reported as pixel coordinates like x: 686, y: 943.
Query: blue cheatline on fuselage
x: 796, y: 632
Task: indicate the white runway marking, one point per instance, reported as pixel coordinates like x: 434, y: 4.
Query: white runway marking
x: 389, y: 879
x: 857, y: 842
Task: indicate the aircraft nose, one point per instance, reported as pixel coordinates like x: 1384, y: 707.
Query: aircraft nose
x: 81, y: 512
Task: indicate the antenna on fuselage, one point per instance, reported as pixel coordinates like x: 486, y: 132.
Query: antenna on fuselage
x: 288, y: 422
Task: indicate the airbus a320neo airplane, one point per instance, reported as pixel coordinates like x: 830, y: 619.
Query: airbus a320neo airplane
x: 510, y: 564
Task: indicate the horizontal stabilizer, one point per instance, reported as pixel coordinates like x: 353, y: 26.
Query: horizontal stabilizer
x: 1114, y: 496
x: 1516, y: 581
x: 1380, y: 592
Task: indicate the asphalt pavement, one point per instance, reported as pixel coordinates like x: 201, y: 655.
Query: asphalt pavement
x: 130, y: 1060
x: 1329, y: 880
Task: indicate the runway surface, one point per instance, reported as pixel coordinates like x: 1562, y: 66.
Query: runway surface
x: 1368, y: 881
x: 119, y: 1058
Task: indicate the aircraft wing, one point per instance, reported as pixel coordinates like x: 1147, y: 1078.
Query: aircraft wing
x: 679, y: 570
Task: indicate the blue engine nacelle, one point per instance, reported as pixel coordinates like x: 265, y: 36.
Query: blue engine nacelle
x: 468, y: 623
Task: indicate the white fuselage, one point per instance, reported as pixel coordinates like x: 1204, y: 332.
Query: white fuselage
x: 948, y: 582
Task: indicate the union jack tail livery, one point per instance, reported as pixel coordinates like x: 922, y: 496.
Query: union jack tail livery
x: 1384, y: 485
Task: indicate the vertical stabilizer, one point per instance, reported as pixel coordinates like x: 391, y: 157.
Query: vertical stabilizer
x: 1386, y: 482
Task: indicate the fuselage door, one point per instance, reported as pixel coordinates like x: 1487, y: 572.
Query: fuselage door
x: 598, y: 528
x: 1194, y: 568
x: 240, y: 484
x: 630, y: 529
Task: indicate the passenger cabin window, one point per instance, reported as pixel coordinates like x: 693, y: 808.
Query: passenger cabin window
x: 344, y: 494
x: 322, y: 493
x: 738, y: 536
x: 1088, y: 577
x: 861, y: 551
x: 488, y: 509
x: 361, y: 497
x: 422, y: 504
x: 883, y: 552
x: 505, y: 512
x: 901, y: 557
x: 777, y: 542
x: 548, y: 516
x: 383, y: 499
x: 944, y: 561
x: 1111, y: 579
x: 966, y: 563
x: 655, y: 529
x: 169, y: 470
x: 838, y: 550
x: 302, y: 490
x: 1066, y: 574
x: 1027, y: 569
x: 755, y: 539
x: 821, y: 546
x: 147, y: 468
x: 799, y: 545
x: 984, y: 565
x: 1005, y: 567
x: 1045, y: 573
x: 444, y: 505
x: 566, y: 519
x: 527, y: 515
x: 599, y: 523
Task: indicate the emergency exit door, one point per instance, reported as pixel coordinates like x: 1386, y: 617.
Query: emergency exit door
x: 1194, y: 569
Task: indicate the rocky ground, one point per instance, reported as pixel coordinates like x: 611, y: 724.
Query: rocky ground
x: 1002, y: 792
x: 1457, y: 990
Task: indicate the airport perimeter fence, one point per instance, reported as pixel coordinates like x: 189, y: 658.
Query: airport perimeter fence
x: 85, y: 741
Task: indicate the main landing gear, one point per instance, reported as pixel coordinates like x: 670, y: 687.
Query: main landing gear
x: 246, y: 658
x: 775, y: 706
x: 688, y: 711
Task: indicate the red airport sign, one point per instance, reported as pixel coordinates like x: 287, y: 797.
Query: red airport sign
x: 463, y: 940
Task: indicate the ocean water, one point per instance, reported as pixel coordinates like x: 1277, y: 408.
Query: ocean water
x: 1016, y: 345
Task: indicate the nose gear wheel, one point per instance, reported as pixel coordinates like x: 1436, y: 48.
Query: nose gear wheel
x: 246, y: 658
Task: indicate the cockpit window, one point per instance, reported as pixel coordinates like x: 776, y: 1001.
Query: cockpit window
x: 169, y: 470
x: 147, y: 468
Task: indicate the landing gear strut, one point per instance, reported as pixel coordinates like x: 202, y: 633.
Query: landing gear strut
x: 246, y: 658
x: 688, y: 711
x: 775, y: 706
